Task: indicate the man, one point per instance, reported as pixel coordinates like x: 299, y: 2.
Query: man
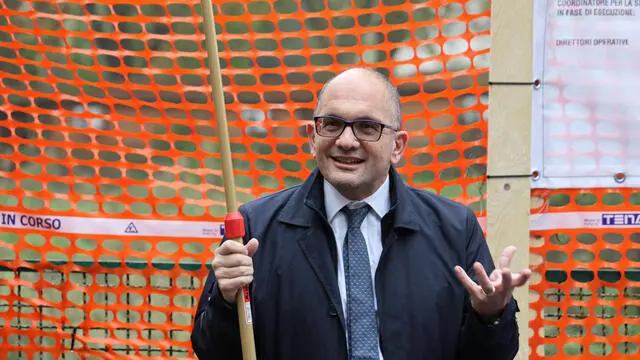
x: 353, y: 263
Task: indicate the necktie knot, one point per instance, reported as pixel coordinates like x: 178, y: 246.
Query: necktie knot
x: 356, y: 216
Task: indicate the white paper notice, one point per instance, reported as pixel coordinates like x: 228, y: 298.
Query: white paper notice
x: 586, y: 113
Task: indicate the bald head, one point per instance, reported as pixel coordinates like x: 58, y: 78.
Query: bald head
x: 366, y: 76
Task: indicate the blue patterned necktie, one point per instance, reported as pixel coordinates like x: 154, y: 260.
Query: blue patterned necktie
x: 361, y: 317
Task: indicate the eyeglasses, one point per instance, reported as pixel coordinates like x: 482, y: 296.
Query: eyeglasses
x: 363, y: 129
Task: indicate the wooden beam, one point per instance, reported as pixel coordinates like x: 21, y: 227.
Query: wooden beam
x: 509, y: 130
x: 511, y: 41
x: 508, y: 224
x: 509, y: 149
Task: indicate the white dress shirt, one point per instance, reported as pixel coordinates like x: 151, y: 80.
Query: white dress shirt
x: 371, y: 229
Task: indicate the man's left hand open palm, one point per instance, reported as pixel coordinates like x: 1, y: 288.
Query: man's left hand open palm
x: 490, y: 297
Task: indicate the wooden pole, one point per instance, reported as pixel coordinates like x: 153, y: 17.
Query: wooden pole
x: 509, y: 149
x: 234, y: 223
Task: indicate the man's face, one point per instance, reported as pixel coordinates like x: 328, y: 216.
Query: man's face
x: 356, y: 168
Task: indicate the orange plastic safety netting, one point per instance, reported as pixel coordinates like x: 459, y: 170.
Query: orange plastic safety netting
x: 586, y: 289
x: 108, y: 136
x: 110, y: 186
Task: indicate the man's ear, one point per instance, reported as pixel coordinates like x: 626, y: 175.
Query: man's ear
x: 399, y: 145
x: 311, y: 136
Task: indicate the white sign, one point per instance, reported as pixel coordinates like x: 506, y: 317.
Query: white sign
x: 112, y: 226
x: 586, y: 112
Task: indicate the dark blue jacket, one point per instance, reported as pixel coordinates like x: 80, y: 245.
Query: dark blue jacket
x: 424, y: 311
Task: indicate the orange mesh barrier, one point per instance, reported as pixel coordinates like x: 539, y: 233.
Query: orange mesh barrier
x: 105, y: 116
x: 587, y: 287
x: 106, y: 124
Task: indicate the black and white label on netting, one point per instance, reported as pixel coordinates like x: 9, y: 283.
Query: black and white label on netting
x: 111, y: 226
x: 581, y: 220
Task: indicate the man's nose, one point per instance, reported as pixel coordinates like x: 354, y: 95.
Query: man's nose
x: 347, y: 138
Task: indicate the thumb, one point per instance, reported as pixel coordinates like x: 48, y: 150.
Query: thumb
x: 252, y: 246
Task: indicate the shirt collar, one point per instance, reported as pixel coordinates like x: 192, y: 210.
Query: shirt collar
x: 334, y: 201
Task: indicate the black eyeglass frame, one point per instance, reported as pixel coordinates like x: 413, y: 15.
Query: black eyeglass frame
x: 348, y: 123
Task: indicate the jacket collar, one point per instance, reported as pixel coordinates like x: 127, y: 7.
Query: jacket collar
x: 308, y: 202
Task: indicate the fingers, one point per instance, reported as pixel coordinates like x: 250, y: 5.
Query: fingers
x: 505, y: 258
x: 495, y: 275
x: 485, y: 283
x: 472, y: 288
x: 492, y: 293
x: 234, y: 247
x: 234, y: 272
x: 231, y: 247
x: 521, y: 278
x: 233, y: 267
x: 252, y: 247
x: 231, y: 261
x: 507, y: 279
x: 485, y: 287
x: 229, y: 287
